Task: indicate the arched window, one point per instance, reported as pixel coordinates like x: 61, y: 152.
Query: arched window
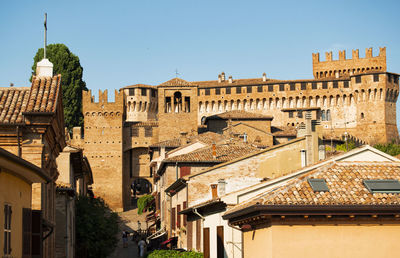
x: 323, y: 118
x: 362, y: 115
x: 178, y: 101
x: 328, y: 115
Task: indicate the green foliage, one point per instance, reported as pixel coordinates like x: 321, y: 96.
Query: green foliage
x: 143, y: 201
x: 174, y: 254
x: 389, y: 148
x: 342, y: 147
x: 96, y: 228
x: 67, y: 64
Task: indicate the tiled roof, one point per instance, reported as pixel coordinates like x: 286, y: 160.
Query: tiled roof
x: 41, y: 97
x: 176, y: 82
x: 240, y: 114
x: 344, y: 180
x: 283, y: 131
x: 224, y: 153
x: 207, y: 138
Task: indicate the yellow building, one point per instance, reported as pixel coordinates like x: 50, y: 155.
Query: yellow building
x: 346, y: 208
x: 16, y: 178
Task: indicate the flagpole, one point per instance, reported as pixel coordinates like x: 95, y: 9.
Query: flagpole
x: 45, y: 34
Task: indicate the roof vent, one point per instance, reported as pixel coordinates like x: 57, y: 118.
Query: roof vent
x: 382, y: 186
x: 318, y: 185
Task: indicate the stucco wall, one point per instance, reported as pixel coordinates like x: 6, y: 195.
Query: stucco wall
x: 323, y: 241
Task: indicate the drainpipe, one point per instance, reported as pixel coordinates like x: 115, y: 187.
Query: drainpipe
x: 19, y: 144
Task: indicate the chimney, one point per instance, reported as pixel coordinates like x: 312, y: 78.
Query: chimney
x: 264, y: 77
x: 214, y: 191
x: 11, y: 84
x: 184, y: 138
x: 245, y: 137
x: 230, y: 79
x: 214, y: 151
x: 309, y: 139
x: 221, y: 187
x: 44, y: 68
x: 222, y: 76
x: 219, y: 78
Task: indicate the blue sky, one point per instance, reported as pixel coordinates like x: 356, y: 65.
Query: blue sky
x: 121, y: 43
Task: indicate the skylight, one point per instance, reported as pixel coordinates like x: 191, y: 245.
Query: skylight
x: 383, y: 186
x: 318, y: 185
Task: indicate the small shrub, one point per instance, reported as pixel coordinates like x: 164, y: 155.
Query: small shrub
x: 174, y: 254
x: 389, y: 148
x: 143, y: 201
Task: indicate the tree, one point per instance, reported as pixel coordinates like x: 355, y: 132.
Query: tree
x: 67, y: 64
x: 389, y: 148
x: 96, y: 228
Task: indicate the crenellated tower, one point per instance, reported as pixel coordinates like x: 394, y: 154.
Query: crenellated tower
x: 140, y: 103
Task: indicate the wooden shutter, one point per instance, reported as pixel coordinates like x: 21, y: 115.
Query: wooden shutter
x: 26, y: 232
x: 184, y: 216
x: 178, y: 216
x: 220, y: 242
x: 37, y: 241
x: 158, y: 207
x: 173, y: 222
x: 185, y: 171
x: 189, y: 235
x: 206, y: 242
x: 198, y: 234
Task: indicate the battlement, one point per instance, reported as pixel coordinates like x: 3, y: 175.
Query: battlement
x: 346, y: 67
x: 89, y: 103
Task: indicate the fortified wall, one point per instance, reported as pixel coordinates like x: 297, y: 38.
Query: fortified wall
x: 102, y: 143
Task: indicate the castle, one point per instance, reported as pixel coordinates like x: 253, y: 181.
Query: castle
x: 353, y: 98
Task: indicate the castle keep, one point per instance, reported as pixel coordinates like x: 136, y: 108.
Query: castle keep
x: 353, y: 97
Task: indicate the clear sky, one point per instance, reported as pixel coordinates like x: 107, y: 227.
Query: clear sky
x: 120, y: 43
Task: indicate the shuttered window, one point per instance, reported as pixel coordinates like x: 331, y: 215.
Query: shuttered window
x: 27, y: 232
x: 184, y: 216
x: 173, y: 221
x: 178, y: 216
x: 7, y: 229
x: 185, y: 171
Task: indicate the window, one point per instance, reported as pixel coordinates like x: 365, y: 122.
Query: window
x: 178, y: 216
x: 218, y: 91
x: 144, y: 92
x: 198, y: 92
x: 207, y: 92
x: 281, y: 87
x: 153, y: 93
x: 259, y: 88
x: 382, y: 186
x: 335, y: 85
x: 185, y: 171
x: 314, y: 85
x: 328, y: 115
x: 173, y: 216
x: 300, y: 114
x: 362, y: 115
x: 227, y: 90
x: 358, y: 79
x: 389, y: 77
x: 7, y: 229
x: 238, y: 90
x: 396, y: 79
x: 135, y: 132
x: 168, y: 107
x: 324, y: 85
x: 148, y: 132
x: 249, y: 89
x: 323, y: 117
x: 376, y: 77
x: 292, y: 86
x: 318, y: 185
x: 184, y: 216
x: 290, y: 114
x: 345, y: 84
x: 131, y: 92
x: 270, y: 88
x: 303, y: 86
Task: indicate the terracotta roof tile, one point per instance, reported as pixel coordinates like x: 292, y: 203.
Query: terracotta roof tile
x: 345, y: 183
x: 41, y: 97
x: 240, y: 114
x: 176, y: 82
x: 224, y: 153
x: 207, y: 138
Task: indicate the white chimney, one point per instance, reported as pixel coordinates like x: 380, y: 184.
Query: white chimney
x: 219, y: 78
x: 223, y: 76
x: 44, y: 68
x: 264, y: 77
x: 230, y: 79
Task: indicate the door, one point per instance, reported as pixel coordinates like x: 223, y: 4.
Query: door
x: 220, y: 242
x: 206, y: 242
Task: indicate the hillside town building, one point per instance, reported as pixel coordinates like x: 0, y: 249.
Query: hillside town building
x: 351, y: 99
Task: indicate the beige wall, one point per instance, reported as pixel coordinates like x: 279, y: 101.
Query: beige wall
x: 17, y: 193
x: 353, y: 241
